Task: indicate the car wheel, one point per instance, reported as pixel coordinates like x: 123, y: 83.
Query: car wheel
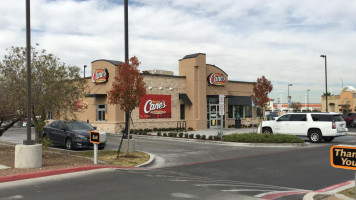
x: 315, y: 136
x: 267, y: 130
x: 69, y: 144
x: 328, y: 139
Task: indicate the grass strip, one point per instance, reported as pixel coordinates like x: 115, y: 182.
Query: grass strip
x: 110, y: 157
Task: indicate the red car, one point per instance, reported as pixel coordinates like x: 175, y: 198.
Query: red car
x: 349, y: 118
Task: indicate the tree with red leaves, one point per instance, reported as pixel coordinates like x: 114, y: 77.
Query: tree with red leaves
x: 128, y: 88
x: 261, y: 90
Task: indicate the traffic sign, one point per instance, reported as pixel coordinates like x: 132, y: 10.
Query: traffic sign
x: 343, y: 157
x: 95, y: 137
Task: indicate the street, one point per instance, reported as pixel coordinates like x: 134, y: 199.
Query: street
x: 198, y: 169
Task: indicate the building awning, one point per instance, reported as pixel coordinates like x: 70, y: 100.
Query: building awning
x: 95, y: 95
x: 185, y: 99
x: 240, y: 101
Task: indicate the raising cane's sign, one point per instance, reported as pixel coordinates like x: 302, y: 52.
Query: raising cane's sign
x: 216, y: 79
x: 100, y: 76
x: 155, y: 106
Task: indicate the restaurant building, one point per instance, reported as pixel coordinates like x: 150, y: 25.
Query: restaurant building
x: 190, y: 99
x: 343, y: 103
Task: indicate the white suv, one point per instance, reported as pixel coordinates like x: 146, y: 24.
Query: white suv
x: 316, y: 126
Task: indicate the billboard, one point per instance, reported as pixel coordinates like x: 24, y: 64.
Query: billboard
x: 155, y: 106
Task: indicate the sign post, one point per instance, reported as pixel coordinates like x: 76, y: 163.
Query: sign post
x: 344, y: 157
x: 221, y: 113
x: 95, y: 139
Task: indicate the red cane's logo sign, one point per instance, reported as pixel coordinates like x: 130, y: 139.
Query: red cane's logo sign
x: 100, y: 76
x: 216, y: 79
x: 151, y: 107
x: 155, y: 106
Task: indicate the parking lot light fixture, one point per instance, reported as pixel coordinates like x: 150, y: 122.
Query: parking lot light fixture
x: 308, y: 98
x: 289, y: 99
x: 326, y: 83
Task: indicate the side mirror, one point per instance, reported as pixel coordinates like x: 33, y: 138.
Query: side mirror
x: 94, y: 127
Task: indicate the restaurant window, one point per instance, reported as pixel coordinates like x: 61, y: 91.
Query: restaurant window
x: 101, y: 113
x: 49, y: 115
x: 182, y: 111
x: 231, y: 111
x: 239, y: 111
x: 248, y: 111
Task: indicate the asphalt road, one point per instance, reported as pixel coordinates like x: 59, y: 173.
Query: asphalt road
x: 197, y: 170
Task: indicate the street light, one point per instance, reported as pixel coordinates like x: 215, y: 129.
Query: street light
x: 326, y: 83
x: 281, y: 104
x: 84, y: 70
x: 289, y: 98
x: 308, y: 98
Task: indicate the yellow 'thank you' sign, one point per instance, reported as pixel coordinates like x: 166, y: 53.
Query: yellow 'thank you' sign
x: 95, y: 137
x: 343, y: 157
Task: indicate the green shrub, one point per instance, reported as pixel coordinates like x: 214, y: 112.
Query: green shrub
x: 190, y: 129
x: 170, y: 134
x: 180, y: 134
x: 164, y: 134
x: 210, y: 137
x: 132, y: 131
x: 216, y: 137
x: 203, y: 137
x: 197, y: 136
x: 46, y: 142
x: 191, y: 135
x: 262, y: 138
x: 175, y: 134
x: 155, y: 129
x: 186, y: 135
x: 159, y: 133
x: 144, y: 133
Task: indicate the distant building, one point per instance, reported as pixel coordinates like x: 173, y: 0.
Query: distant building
x: 305, y: 107
x: 343, y: 103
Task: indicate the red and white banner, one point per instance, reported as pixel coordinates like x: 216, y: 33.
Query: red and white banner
x: 155, y: 106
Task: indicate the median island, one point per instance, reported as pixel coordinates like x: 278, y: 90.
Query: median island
x: 261, y: 138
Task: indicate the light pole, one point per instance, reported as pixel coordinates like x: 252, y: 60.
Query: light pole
x: 289, y: 98
x: 308, y: 98
x: 305, y: 101
x: 28, y: 140
x: 281, y: 104
x: 326, y: 83
x: 84, y: 70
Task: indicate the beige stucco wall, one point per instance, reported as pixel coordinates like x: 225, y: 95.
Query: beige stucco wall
x: 115, y: 116
x: 194, y: 69
x: 345, y: 98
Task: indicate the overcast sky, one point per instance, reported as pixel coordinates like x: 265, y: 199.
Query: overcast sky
x: 281, y: 39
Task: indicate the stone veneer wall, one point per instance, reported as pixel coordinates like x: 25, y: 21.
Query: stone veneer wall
x: 177, y: 83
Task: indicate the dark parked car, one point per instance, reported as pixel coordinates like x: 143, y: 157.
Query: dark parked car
x: 72, y: 134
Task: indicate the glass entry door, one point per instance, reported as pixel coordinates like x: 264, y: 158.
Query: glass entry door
x: 214, y: 117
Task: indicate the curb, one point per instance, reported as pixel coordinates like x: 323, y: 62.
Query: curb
x: 330, y: 191
x: 19, y: 177
x: 149, y: 162
x: 282, y: 145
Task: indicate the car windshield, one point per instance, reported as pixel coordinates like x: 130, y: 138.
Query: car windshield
x: 77, y: 126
